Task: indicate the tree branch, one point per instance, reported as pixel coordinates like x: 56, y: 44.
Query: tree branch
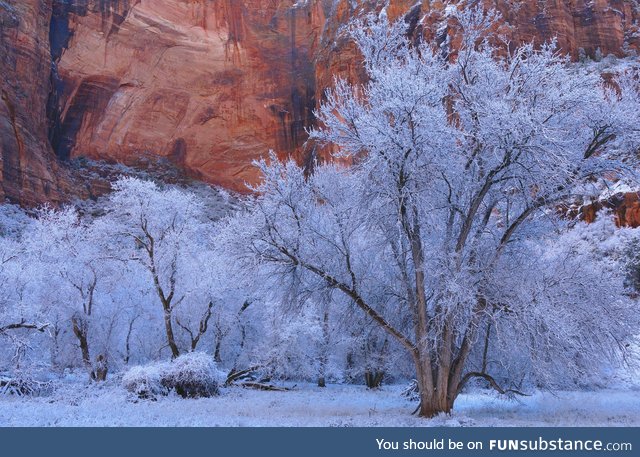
x: 358, y: 300
x: 492, y: 382
x: 24, y: 325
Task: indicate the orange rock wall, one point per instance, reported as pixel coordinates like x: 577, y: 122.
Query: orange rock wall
x: 210, y: 84
x: 28, y: 169
x: 625, y: 208
x: 213, y: 85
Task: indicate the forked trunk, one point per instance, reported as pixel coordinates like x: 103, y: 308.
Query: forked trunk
x: 434, y: 401
x: 373, y: 378
x: 99, y: 371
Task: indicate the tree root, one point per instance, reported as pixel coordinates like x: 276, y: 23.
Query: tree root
x: 417, y: 409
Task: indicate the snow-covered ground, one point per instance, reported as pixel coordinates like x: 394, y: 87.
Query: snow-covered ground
x: 307, y: 405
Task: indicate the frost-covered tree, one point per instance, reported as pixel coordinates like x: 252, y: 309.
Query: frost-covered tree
x: 118, y: 281
x: 442, y: 230
x: 19, y: 316
x: 74, y: 283
x: 167, y: 234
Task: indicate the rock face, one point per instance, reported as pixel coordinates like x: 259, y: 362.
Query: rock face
x: 595, y: 26
x: 29, y: 172
x: 212, y: 85
x: 624, y: 206
x: 588, y: 28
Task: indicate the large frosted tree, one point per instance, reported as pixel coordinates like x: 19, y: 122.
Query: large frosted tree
x: 442, y: 229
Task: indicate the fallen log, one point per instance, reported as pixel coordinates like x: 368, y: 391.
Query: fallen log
x: 261, y: 386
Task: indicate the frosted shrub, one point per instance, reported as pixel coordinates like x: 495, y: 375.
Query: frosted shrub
x: 146, y: 381
x: 191, y: 375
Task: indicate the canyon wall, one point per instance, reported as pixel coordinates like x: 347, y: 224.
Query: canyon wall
x: 29, y: 171
x: 212, y: 85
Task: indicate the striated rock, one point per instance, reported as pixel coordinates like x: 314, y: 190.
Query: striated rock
x: 589, y: 28
x: 212, y: 85
x: 29, y: 172
x: 595, y: 26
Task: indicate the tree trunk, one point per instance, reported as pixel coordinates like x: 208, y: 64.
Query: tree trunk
x: 373, y: 378
x: 165, y: 299
x: 100, y: 372
x: 432, y: 405
x: 175, y: 352
x: 216, y: 353
x: 433, y: 401
x: 324, y: 350
x: 127, y: 345
x: 349, y: 367
x: 55, y: 348
x: 80, y: 331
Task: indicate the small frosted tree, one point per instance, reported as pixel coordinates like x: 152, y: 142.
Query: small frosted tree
x: 166, y: 233
x: 73, y: 264
x: 20, y: 317
x: 440, y: 229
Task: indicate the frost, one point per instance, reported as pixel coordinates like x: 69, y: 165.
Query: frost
x: 445, y: 232
x: 448, y: 245
x: 191, y: 375
x: 146, y: 381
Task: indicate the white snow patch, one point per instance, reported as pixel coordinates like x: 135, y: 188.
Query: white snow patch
x: 307, y: 405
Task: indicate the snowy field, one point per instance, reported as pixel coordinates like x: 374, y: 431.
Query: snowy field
x: 307, y: 405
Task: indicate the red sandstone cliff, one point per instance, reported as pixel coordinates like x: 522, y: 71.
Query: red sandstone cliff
x: 210, y: 84
x: 29, y: 172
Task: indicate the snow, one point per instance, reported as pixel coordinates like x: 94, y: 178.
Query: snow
x: 74, y: 404
x: 193, y: 374
x: 617, y: 188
